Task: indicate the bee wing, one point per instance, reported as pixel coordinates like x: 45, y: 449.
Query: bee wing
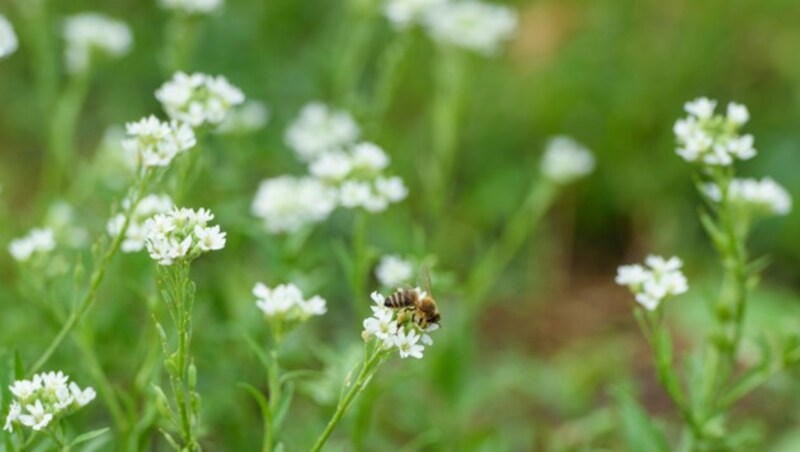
x: 424, y: 279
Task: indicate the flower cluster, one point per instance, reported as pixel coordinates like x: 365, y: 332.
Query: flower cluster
x: 566, y: 160
x: 192, y: 6
x: 182, y: 234
x: 393, y: 271
x: 286, y: 303
x: 473, y: 25
x: 287, y: 203
x: 713, y: 139
x: 137, y: 231
x: 88, y: 33
x: 394, y: 331
x: 651, y: 285
x: 156, y: 143
x: 39, y: 401
x: 8, y: 39
x: 198, y: 99
x: 405, y: 13
x: 763, y: 196
x: 36, y: 241
x: 318, y: 129
x: 357, y: 175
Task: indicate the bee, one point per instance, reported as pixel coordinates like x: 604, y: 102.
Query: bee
x: 420, y: 305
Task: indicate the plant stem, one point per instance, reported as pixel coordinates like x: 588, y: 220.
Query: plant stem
x: 360, y: 257
x: 180, y: 35
x: 389, y: 63
x: 364, y: 376
x: 357, y: 40
x: 85, y: 305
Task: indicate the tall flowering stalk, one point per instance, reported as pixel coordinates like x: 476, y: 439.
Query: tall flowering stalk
x: 713, y: 141
x: 174, y: 240
x: 385, y: 332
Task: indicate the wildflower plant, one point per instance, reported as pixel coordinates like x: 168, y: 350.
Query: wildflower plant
x: 198, y: 99
x: 705, y: 396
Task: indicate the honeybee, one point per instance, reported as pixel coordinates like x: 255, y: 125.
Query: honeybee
x: 421, y: 306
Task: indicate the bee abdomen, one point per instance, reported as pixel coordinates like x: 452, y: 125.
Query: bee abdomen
x: 399, y: 299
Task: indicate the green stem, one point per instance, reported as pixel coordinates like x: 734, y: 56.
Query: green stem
x: 37, y: 31
x: 180, y: 36
x: 104, y: 386
x: 89, y: 299
x: 360, y: 256
x: 387, y: 76
x: 61, y: 140
x: 367, y: 370
x: 356, y: 44
x: 274, y: 383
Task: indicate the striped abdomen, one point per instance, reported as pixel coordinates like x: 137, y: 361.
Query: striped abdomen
x: 401, y: 299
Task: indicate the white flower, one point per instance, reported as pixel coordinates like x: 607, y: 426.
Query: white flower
x: 407, y: 344
x: 650, y: 286
x: 286, y: 203
x: 393, y: 271
x: 36, y: 418
x: 710, y: 138
x: 13, y: 414
x: 320, y: 128
x: 209, y: 239
x: 192, y: 6
x: 566, y: 160
x: 148, y: 207
x: 25, y: 389
x: 156, y: 143
x: 381, y: 325
x: 737, y: 113
x: 37, y: 241
x: 82, y: 396
x: 355, y: 193
x: 404, y: 13
x: 332, y: 166
x: 198, y: 99
x: 170, y: 236
x: 764, y: 197
x: 8, y: 40
x: 88, y: 33
x: 369, y: 157
x: 474, y: 25
x: 252, y: 115
x: 392, y: 188
x: 287, y: 302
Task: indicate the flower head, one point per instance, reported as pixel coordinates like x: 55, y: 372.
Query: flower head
x: 148, y: 207
x: 566, y: 160
x: 397, y: 328
x: 710, y: 138
x: 403, y: 14
x: 36, y: 241
x: 182, y: 234
x: 474, y: 25
x: 192, y: 6
x: 320, y: 128
x: 43, y: 398
x: 198, y: 99
x: 8, y: 39
x: 393, y: 271
x: 155, y: 143
x: 651, y: 285
x: 286, y: 302
x: 286, y: 203
x: 90, y: 33
x: 765, y: 196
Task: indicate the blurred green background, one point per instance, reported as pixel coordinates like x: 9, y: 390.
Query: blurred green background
x: 559, y: 342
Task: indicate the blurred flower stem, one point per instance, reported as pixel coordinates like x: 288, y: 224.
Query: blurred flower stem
x: 61, y: 138
x: 374, y: 356
x: 179, y: 38
x: 178, y: 293
x: 37, y: 33
x: 446, y: 108
x: 357, y: 31
x: 81, y: 307
x: 360, y: 263
x: 387, y: 77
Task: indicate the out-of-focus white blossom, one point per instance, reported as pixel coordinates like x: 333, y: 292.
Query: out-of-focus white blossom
x: 763, y: 196
x: 136, y: 234
x: 286, y: 203
x: 44, y: 398
x: 394, y: 271
x: 182, y: 234
x: 395, y: 333
x: 251, y: 116
x: 155, y: 143
x: 658, y: 281
x: 287, y: 303
x: 406, y: 13
x: 710, y: 138
x: 192, y: 6
x: 198, y: 99
x: 90, y: 33
x: 565, y: 160
x: 38, y: 240
x: 478, y: 26
x: 8, y: 39
x: 319, y: 128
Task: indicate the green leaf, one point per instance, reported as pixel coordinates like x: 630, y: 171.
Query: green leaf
x: 263, y: 405
x: 263, y: 357
x: 284, y: 404
x: 640, y: 432
x: 85, y: 437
